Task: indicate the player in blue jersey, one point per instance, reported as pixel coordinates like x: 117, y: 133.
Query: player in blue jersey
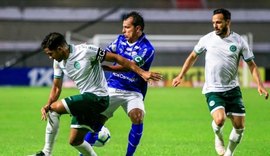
x: 82, y: 64
x: 127, y: 89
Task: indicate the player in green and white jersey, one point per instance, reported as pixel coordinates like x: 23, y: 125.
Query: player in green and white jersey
x: 223, y: 49
x: 82, y: 64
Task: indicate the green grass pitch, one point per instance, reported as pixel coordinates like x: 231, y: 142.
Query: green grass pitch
x: 177, y: 123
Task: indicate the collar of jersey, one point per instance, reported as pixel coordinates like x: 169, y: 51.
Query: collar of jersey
x: 71, y: 48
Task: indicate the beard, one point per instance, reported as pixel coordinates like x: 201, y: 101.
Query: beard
x: 221, y: 32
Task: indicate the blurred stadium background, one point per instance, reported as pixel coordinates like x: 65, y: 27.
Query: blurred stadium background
x: 174, y: 26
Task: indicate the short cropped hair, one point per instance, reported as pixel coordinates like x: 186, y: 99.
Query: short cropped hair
x: 137, y: 19
x: 53, y: 40
x: 226, y: 14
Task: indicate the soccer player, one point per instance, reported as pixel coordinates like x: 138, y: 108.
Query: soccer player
x: 223, y: 49
x: 82, y: 64
x: 127, y: 89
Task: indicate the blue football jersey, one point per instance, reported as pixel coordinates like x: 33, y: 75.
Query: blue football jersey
x: 141, y: 52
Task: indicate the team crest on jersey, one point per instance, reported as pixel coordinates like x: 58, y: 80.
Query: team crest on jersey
x: 212, y: 103
x: 77, y: 65
x: 233, y: 48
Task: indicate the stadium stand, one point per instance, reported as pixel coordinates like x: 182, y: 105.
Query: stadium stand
x: 24, y: 23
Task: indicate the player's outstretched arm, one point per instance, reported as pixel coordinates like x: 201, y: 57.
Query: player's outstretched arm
x: 188, y: 63
x: 256, y: 76
x: 146, y: 75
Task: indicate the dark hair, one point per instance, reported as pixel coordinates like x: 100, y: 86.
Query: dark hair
x: 224, y: 12
x: 137, y: 18
x: 53, y: 40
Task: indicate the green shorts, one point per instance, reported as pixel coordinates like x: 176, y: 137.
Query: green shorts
x: 230, y: 100
x: 85, y: 110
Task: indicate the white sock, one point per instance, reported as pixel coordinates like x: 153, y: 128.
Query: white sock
x: 86, y: 149
x: 217, y: 130
x: 235, y: 138
x: 51, y: 132
x: 230, y: 149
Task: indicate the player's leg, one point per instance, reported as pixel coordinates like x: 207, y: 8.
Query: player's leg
x: 136, y: 131
x: 86, y: 109
x: 114, y: 104
x: 77, y: 141
x: 216, y: 107
x: 51, y: 132
x: 236, y: 112
x: 136, y: 111
x: 217, y: 125
x: 52, y: 128
x: 91, y: 137
x: 236, y: 134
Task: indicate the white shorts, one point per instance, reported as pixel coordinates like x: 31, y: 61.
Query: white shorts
x: 128, y: 100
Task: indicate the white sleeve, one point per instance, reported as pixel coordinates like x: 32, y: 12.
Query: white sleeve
x: 200, y: 47
x: 247, y: 53
x: 57, y: 71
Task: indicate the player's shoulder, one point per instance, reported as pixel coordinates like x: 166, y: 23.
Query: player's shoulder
x: 85, y: 47
x: 144, y: 42
x: 121, y: 37
x: 236, y: 36
x: 120, y: 40
x: 209, y: 35
x: 55, y: 63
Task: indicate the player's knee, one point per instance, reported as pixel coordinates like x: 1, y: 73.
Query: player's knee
x: 219, y: 117
x: 136, y: 116
x: 239, y: 125
x: 58, y: 107
x: 236, y: 135
x: 219, y: 121
x: 136, y: 120
x: 75, y: 142
x: 54, y: 107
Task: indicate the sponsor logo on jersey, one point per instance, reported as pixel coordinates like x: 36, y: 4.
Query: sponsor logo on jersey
x: 92, y: 48
x: 124, y: 77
